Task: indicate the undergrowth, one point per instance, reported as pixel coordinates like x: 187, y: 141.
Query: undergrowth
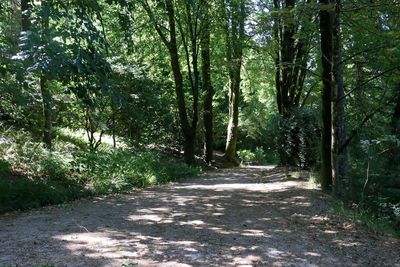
x: 256, y: 156
x: 32, y: 176
x: 386, y: 219
x: 376, y: 222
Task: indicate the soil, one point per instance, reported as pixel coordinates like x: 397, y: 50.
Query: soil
x: 233, y: 217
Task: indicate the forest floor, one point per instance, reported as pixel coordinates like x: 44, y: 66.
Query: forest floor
x: 231, y: 217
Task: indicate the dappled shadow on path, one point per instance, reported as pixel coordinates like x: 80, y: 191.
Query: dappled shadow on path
x: 236, y: 217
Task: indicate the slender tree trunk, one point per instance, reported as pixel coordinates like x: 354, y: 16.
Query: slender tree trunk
x: 113, y: 122
x: 278, y: 58
x: 327, y: 58
x: 290, y: 67
x: 339, y: 159
x: 394, y: 152
x: 26, y: 5
x: 395, y: 124
x: 235, y: 34
x: 207, y: 85
x: 291, y: 56
x: 47, y: 112
x: 232, y: 133
x: 189, y: 131
x: 46, y: 95
x: 334, y: 161
x: 26, y: 25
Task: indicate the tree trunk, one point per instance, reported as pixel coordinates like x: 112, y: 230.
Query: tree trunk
x: 231, y: 142
x: 47, y: 112
x: 395, y: 124
x: 291, y: 56
x: 334, y: 161
x: 207, y: 85
x: 25, y: 17
x: 235, y: 35
x: 189, y: 131
x: 46, y: 95
x: 394, y: 151
x: 189, y: 148
x: 26, y: 5
x: 339, y: 159
x: 327, y: 58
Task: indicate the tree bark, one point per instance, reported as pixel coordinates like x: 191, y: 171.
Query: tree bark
x: 47, y: 112
x: 395, y: 124
x: 235, y: 34
x: 207, y: 85
x: 291, y: 57
x: 46, y: 95
x: 339, y: 158
x: 232, y: 132
x: 290, y: 69
x: 26, y: 5
x: 334, y: 159
x: 327, y: 58
x: 189, y: 132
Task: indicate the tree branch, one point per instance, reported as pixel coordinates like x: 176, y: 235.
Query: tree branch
x: 158, y: 28
x: 368, y: 81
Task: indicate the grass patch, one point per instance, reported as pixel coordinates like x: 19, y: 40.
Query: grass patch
x: 358, y: 215
x: 32, y: 176
x: 24, y: 193
x: 314, y: 180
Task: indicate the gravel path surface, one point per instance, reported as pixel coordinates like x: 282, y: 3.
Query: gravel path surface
x: 233, y: 217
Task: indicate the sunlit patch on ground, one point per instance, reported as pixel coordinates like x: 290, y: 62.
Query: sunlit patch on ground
x: 240, y: 217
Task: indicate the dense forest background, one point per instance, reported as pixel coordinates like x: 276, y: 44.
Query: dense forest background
x: 103, y: 96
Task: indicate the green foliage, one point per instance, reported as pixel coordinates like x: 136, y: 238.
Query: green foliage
x: 296, y: 138
x: 42, y: 177
x: 109, y: 170
x: 144, y: 109
x: 5, y: 168
x: 257, y: 156
x: 377, y: 223
x: 24, y: 193
x: 314, y: 179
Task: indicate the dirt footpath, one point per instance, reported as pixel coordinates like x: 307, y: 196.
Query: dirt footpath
x: 235, y: 217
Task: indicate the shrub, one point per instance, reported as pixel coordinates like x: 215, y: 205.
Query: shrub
x: 296, y: 138
x: 44, y: 177
x: 5, y: 168
x: 257, y: 156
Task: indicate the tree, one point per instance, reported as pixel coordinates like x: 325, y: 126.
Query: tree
x: 333, y: 130
x: 206, y: 82
x: 188, y: 126
x: 293, y: 40
x: 235, y: 16
x: 26, y: 9
x: 293, y: 35
x: 339, y: 156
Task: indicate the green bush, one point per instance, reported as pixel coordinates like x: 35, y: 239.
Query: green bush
x: 69, y: 172
x: 297, y: 138
x: 252, y: 157
x: 24, y: 193
x: 371, y: 218
x: 5, y: 168
x: 109, y: 170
